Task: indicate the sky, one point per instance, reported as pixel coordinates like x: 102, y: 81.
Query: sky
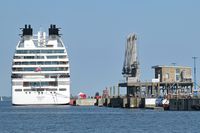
x: 95, y: 33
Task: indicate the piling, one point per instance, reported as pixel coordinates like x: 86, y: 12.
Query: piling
x: 184, y: 104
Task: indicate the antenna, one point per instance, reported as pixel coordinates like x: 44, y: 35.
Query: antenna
x: 195, y: 83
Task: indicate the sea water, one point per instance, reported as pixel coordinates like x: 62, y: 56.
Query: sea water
x: 91, y: 119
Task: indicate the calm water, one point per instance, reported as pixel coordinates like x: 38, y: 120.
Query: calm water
x: 69, y: 119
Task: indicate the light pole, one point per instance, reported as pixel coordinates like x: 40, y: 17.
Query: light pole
x: 195, y: 84
x: 174, y: 64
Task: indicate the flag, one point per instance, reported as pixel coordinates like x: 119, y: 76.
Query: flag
x: 37, y: 69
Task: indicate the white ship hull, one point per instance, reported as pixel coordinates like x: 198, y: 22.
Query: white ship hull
x: 41, y: 97
x: 34, y: 99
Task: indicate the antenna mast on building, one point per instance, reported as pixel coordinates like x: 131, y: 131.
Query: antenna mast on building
x: 195, y: 83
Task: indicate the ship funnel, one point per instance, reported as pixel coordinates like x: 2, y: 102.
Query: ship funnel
x: 53, y: 30
x: 27, y: 31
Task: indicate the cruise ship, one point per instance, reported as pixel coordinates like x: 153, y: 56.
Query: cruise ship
x: 40, y: 69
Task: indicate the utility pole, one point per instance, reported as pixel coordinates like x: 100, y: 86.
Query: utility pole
x: 195, y: 83
x: 174, y: 64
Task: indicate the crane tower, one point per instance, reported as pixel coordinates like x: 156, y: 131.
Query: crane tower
x: 131, y: 64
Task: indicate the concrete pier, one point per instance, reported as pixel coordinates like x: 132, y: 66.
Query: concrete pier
x: 184, y: 104
x: 116, y: 102
x: 175, y: 104
x: 107, y: 102
x: 124, y: 102
x: 150, y: 102
x: 85, y: 102
x: 133, y: 102
x: 99, y: 102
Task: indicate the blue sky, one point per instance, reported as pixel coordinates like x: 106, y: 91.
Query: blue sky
x: 95, y: 32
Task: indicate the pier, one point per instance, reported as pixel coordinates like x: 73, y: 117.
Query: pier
x: 172, y: 85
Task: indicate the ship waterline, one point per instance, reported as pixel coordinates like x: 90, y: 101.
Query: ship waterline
x: 40, y: 70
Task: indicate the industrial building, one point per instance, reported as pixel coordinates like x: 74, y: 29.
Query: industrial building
x: 173, y: 80
x: 173, y: 73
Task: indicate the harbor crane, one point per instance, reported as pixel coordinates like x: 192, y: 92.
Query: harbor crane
x: 131, y: 69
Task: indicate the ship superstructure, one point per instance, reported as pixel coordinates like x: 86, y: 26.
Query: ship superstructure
x: 40, y: 70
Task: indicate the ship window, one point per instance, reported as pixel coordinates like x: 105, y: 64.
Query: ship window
x: 62, y: 89
x: 46, y: 76
x: 47, y: 63
x: 17, y: 63
x: 46, y: 51
x: 62, y: 57
x: 55, y: 62
x: 53, y: 83
x: 24, y: 63
x: 51, y: 57
x: 51, y: 90
x: 18, y: 90
x: 40, y: 89
x: 18, y: 57
x: 16, y: 76
x: 44, y: 83
x: 33, y: 51
x: 53, y: 76
x: 64, y: 75
x: 60, y: 51
x: 62, y: 82
x: 29, y: 69
x: 40, y: 63
x: 32, y: 63
x: 38, y: 51
x: 17, y: 83
x: 33, y: 89
x: 28, y: 57
x: 48, y: 46
x: 63, y: 62
x: 42, y: 69
x: 19, y: 51
x: 38, y: 84
x: 39, y: 57
x: 17, y: 69
x: 25, y: 84
x: 27, y: 89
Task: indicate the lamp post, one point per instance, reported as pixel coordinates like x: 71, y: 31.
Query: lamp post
x: 174, y: 64
x: 195, y: 84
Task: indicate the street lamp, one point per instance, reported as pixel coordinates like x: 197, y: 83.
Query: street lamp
x: 195, y: 83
